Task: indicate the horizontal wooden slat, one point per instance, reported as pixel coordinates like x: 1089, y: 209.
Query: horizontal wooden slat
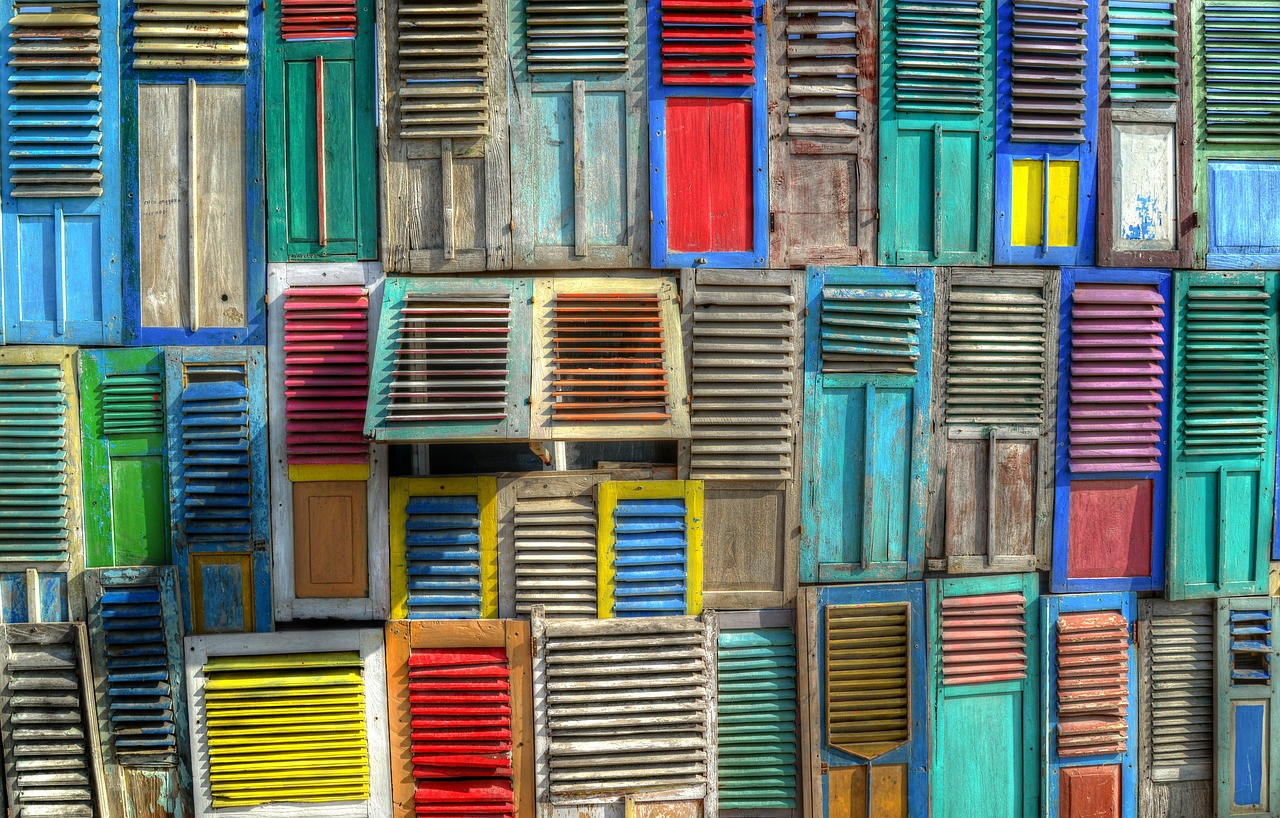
x: 556, y: 554
x: 867, y: 668
x: 212, y: 34
x: 984, y: 638
x: 442, y: 54
x: 939, y: 59
x: 756, y: 719
x: 996, y: 345
x: 708, y: 42
x: 1093, y: 684
x: 579, y: 37
x: 1241, y: 74
x: 1180, y: 653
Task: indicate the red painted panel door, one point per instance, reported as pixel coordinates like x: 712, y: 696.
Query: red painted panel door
x: 709, y: 174
x: 1090, y: 792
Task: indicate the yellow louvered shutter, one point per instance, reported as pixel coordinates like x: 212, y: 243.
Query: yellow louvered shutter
x: 867, y: 678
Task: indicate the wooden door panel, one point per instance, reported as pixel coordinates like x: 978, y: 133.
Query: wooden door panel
x: 330, y: 540
x: 1090, y: 792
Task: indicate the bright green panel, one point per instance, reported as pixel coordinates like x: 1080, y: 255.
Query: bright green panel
x: 340, y: 180
x: 139, y: 510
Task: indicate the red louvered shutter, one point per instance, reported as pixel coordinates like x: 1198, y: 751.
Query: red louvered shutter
x: 984, y: 638
x: 318, y: 20
x: 326, y: 374
x: 460, y: 701
x: 708, y: 42
x: 1093, y: 684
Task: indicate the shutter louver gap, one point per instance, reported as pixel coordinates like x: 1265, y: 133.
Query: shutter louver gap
x: 443, y: 58
x: 995, y: 357
x: 286, y: 728
x: 460, y: 700
x: 556, y: 556
x: 608, y: 358
x: 451, y: 360
x: 708, y: 42
x: 1242, y: 72
x: 867, y: 678
x: 1250, y: 647
x: 870, y: 330
x: 132, y: 404
x: 317, y: 20
x: 939, y: 56
x: 216, y: 491
x: 583, y: 36
x: 1181, y: 738
x: 139, y: 690
x: 822, y: 68
x: 756, y: 719
x: 34, y: 503
x: 1225, y: 368
x: 651, y: 564
x: 210, y: 34
x: 442, y: 556
x: 984, y: 639
x: 1093, y: 684
x: 55, y: 100
x: 1117, y: 363
x: 326, y: 370
x: 1048, y: 94
x: 1142, y: 37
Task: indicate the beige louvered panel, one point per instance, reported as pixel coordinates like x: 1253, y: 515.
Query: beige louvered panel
x: 867, y: 681
x: 442, y: 50
x: 212, y: 34
x: 555, y: 555
x: 626, y: 706
x: 743, y: 380
x: 1179, y: 655
x: 584, y: 36
x: 1093, y: 684
x: 984, y: 638
x: 822, y: 68
x: 996, y: 348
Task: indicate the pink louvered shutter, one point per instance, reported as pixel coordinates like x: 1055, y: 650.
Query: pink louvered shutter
x: 984, y: 638
x: 1093, y: 684
x: 326, y: 369
x: 1117, y: 362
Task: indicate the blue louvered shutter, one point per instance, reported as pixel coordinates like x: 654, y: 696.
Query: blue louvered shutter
x: 35, y: 512
x: 756, y: 719
x: 651, y: 566
x: 1246, y: 719
x: 139, y: 686
x: 215, y: 449
x: 442, y: 557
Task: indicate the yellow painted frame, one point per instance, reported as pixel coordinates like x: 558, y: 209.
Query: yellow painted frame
x: 330, y: 473
x: 485, y: 490
x: 607, y: 495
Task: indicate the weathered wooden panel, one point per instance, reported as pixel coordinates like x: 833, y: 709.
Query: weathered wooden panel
x: 750, y: 534
x: 1246, y: 694
x: 1239, y: 234
x: 650, y: 557
x: 36, y: 596
x: 330, y: 543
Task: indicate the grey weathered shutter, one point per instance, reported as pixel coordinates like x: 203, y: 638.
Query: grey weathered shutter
x: 1177, y: 700
x: 176, y: 35
x: 588, y: 36
x: 548, y: 533
x: 441, y: 51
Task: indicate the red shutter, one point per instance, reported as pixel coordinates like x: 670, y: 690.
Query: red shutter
x: 326, y: 370
x: 984, y: 638
x: 708, y: 42
x: 1093, y: 684
x: 317, y: 20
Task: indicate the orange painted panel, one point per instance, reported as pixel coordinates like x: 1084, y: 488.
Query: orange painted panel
x: 1089, y: 792
x: 330, y: 540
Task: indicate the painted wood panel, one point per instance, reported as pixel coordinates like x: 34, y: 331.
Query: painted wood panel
x: 1110, y: 492
x: 649, y: 535
x: 445, y: 187
x: 31, y: 595
x: 1223, y: 440
x: 61, y: 221
x: 1246, y: 654
x: 868, y: 333
x: 991, y: 480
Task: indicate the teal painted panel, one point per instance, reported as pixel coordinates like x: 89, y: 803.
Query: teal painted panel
x: 756, y: 719
x: 988, y: 782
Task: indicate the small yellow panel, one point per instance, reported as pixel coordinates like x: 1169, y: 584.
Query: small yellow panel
x: 1064, y: 199
x: 1028, y: 204
x: 330, y: 473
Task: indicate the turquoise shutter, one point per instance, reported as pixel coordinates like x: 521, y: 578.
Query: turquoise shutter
x: 937, y: 120
x: 868, y: 340
x: 1223, y: 442
x: 1247, y: 694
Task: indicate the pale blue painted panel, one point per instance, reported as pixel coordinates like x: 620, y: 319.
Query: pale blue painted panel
x: 51, y: 593
x: 551, y: 148
x: 222, y: 584
x: 1249, y: 762
x: 605, y: 172
x: 1243, y: 234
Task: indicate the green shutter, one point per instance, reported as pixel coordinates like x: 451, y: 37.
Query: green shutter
x: 756, y: 719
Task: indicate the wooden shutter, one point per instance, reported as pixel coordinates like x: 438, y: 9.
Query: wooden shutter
x: 984, y: 638
x: 168, y: 35
x: 627, y: 705
x: 823, y: 132
x: 1110, y: 485
x: 1223, y: 449
x: 1144, y: 157
x: 461, y: 718
x: 993, y: 461
x: 1246, y: 653
x: 937, y: 112
x: 53, y: 765
x: 451, y: 361
x: 577, y: 109
x: 867, y: 711
x: 609, y: 359
x: 868, y: 333
x: 650, y: 559
x: 1176, y: 706
x: 261, y: 705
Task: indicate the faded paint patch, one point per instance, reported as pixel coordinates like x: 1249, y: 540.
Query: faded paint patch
x: 1147, y: 220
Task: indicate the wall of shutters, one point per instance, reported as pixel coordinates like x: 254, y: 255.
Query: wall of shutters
x: 218, y: 486
x: 608, y: 359
x: 822, y: 132
x: 135, y: 639
x: 1046, y: 131
x: 868, y: 333
x: 577, y: 107
x: 461, y: 718
x: 53, y: 762
x: 708, y: 134
x: 246, y: 756
x: 451, y: 361
x: 984, y: 670
x: 1091, y: 686
x: 1223, y: 442
x: 1247, y: 695
x: 937, y: 111
x: 650, y: 541
x: 60, y: 125
x: 991, y: 495
x: 1111, y: 483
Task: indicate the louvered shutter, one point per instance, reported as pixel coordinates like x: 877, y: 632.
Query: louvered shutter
x: 868, y: 334
x: 61, y: 126
x: 984, y: 640
x: 178, y: 36
x: 1092, y: 691
x: 650, y: 559
x: 994, y: 460
x: 1110, y: 488
x: 1223, y: 444
x: 1246, y: 654
x: 264, y: 708
x: 1176, y: 704
x: 622, y: 708
x: 218, y: 487
x: 1145, y: 171
x: 577, y: 79
x: 53, y: 766
x: 609, y: 359
x: 937, y: 114
x: 1046, y: 132
x: 451, y: 361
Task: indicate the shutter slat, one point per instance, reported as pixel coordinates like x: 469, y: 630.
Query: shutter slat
x: 708, y: 42
x: 939, y: 56
x: 216, y: 485
x: 556, y: 555
x: 1093, y: 684
x: 1250, y: 647
x: 138, y: 684
x: 1181, y: 668
x: 442, y: 51
x: 1142, y: 39
x: 996, y: 342
x: 756, y: 719
x: 867, y: 678
x: 442, y: 557
x: 871, y: 330
x: 1047, y: 83
x: 132, y: 404
x: 1241, y: 73
x: 317, y: 20
x: 822, y: 75
x: 34, y: 503
x: 583, y: 36
x: 651, y: 562
x: 984, y: 638
x: 212, y: 35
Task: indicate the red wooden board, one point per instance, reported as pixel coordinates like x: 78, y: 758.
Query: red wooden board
x: 1089, y: 792
x: 1110, y: 528
x: 709, y: 175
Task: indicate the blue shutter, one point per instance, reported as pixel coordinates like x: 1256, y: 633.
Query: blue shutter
x: 1247, y: 694
x: 651, y: 557
x: 868, y: 351
x: 442, y: 554
x: 33, y: 596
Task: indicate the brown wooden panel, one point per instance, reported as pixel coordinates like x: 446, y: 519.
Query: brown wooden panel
x: 744, y: 539
x: 1089, y: 792
x: 889, y: 791
x: 330, y: 540
x: 1013, y: 506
